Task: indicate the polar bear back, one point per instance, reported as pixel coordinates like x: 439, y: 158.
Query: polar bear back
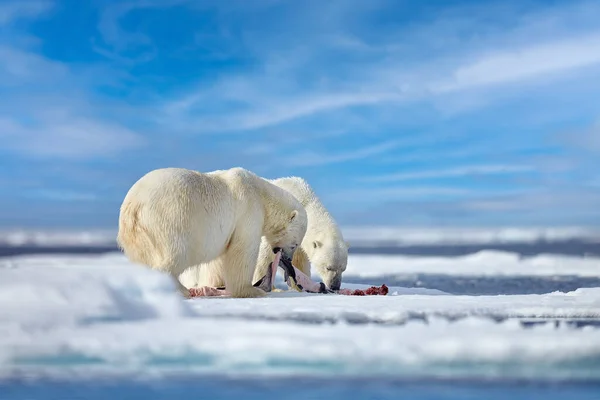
x: 178, y: 208
x: 322, y: 221
x: 176, y: 216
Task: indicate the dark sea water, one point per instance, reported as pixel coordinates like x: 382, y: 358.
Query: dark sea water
x: 572, y: 247
x: 298, y: 389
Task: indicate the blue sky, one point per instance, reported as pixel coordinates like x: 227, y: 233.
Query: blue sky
x: 438, y: 113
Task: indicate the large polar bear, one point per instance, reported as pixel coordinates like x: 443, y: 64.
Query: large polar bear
x: 323, y: 245
x: 174, y: 218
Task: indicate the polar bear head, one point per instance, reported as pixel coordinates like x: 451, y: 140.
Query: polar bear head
x: 328, y: 254
x: 286, y: 221
x: 289, y: 237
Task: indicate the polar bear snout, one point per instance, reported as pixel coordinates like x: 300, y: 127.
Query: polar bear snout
x: 333, y: 280
x: 287, y: 252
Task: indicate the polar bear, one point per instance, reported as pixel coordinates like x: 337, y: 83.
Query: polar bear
x: 323, y: 245
x: 174, y: 218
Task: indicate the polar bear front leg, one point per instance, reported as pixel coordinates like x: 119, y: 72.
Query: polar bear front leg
x: 264, y: 260
x: 239, y: 262
x: 301, y: 261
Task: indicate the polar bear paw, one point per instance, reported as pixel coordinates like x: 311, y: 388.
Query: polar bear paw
x: 249, y: 292
x: 206, y: 291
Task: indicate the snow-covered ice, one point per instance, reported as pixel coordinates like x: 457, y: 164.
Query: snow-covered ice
x: 81, y: 315
x: 482, y: 263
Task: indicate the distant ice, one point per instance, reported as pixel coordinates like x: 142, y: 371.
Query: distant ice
x: 411, y: 236
x: 357, y: 236
x: 83, y: 315
x: 483, y: 263
x: 49, y: 238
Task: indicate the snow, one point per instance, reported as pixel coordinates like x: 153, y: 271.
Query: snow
x: 482, y: 263
x: 84, y: 315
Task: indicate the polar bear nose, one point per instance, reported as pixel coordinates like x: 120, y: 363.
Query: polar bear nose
x: 276, y: 250
x: 335, y: 282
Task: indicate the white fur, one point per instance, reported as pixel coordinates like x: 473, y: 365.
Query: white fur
x: 323, y: 245
x: 174, y: 218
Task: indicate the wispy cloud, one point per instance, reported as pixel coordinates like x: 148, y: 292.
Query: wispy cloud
x: 525, y: 208
x: 51, y: 112
x: 11, y: 11
x: 135, y: 46
x: 116, y: 43
x: 369, y: 195
x: 67, y: 137
x: 286, y: 112
x: 62, y: 195
x: 315, y: 159
x: 255, y: 106
x: 526, y: 63
x: 19, y: 66
x: 268, y: 96
x: 450, y: 112
x: 471, y: 170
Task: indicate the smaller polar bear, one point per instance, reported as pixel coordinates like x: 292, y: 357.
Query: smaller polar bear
x: 175, y: 218
x: 323, y: 245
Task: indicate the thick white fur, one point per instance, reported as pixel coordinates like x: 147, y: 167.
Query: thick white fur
x: 323, y: 245
x: 175, y: 218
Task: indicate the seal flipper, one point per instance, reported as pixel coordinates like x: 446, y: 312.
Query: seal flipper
x: 308, y: 285
x: 266, y: 283
x: 289, y: 273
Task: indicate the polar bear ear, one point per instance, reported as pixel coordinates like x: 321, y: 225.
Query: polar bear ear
x: 317, y: 244
x: 293, y: 215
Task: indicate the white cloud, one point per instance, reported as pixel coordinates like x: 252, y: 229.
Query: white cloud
x: 19, y: 66
x: 267, y: 96
x: 62, y: 195
x: 564, y: 200
x: 110, y: 28
x: 452, y: 172
x: 11, y: 11
x: 68, y: 137
x: 526, y: 63
x: 116, y: 42
x: 260, y: 101
x: 376, y: 195
x: 52, y: 112
x: 282, y: 111
x: 314, y: 159
x: 568, y: 205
